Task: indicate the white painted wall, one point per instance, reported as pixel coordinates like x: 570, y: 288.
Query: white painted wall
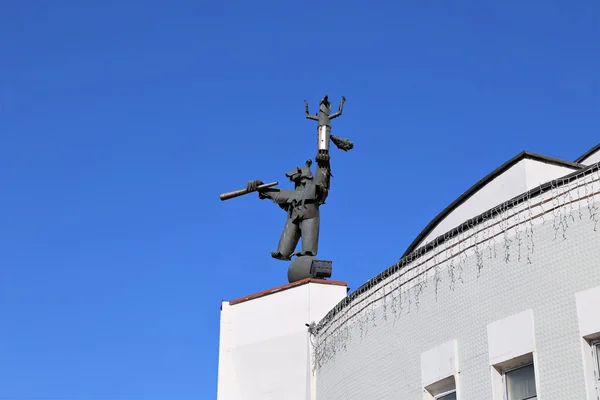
x: 264, y: 351
x: 506, y: 311
x: 511, y: 343
x: 588, y: 317
x: 439, y: 370
x: 511, y: 337
x: 537, y: 173
x: 521, y: 177
x: 508, y: 185
x: 502, y: 311
x: 588, y: 311
x: 591, y: 159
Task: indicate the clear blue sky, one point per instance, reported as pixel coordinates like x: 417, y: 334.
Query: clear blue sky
x: 122, y: 121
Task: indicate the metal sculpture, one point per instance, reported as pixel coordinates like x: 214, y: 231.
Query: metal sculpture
x: 301, y: 205
x: 324, y: 126
x: 310, y: 191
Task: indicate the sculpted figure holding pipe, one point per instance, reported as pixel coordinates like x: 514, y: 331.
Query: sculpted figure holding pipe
x: 310, y: 191
x: 301, y: 205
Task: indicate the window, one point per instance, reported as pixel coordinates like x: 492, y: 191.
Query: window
x: 444, y: 389
x: 447, y: 396
x: 520, y: 383
x: 596, y: 354
x: 439, y: 372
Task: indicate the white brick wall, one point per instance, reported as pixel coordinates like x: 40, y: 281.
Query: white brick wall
x: 385, y: 363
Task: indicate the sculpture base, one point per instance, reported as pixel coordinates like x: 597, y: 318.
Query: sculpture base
x: 308, y: 267
x: 264, y: 345
x: 300, y: 268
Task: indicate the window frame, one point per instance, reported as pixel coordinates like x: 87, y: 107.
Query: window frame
x: 595, y: 344
x: 440, y: 395
x: 440, y: 388
x: 505, y: 381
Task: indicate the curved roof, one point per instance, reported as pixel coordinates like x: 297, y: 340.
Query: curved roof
x: 579, y: 172
x: 480, y: 184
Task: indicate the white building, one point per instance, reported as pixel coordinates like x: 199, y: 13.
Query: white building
x: 498, y: 298
x: 265, y: 350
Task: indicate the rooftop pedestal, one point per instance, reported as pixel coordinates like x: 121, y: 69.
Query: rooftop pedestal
x: 264, y: 349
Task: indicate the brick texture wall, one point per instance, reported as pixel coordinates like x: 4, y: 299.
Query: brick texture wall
x: 385, y: 363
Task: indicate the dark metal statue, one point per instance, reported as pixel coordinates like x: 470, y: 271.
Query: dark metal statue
x: 301, y: 205
x: 324, y: 126
x: 310, y: 192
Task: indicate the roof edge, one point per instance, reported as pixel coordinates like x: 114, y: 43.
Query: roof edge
x: 408, y: 258
x: 285, y: 287
x: 480, y: 184
x: 588, y: 153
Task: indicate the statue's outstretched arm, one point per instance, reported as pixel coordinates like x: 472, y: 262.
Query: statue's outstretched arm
x: 340, y: 109
x: 278, y: 196
x: 308, y: 116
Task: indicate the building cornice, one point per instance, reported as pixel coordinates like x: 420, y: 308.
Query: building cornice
x: 408, y: 258
x: 480, y: 184
x: 286, y: 287
x: 588, y: 153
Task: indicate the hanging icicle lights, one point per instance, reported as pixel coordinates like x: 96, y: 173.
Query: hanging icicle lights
x: 511, y: 225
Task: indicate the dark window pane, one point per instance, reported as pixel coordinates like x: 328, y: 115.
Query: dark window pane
x: 449, y: 396
x: 520, y: 383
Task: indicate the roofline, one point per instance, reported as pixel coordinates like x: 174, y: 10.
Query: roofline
x: 286, y: 287
x: 481, y: 183
x: 406, y: 259
x: 587, y: 153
